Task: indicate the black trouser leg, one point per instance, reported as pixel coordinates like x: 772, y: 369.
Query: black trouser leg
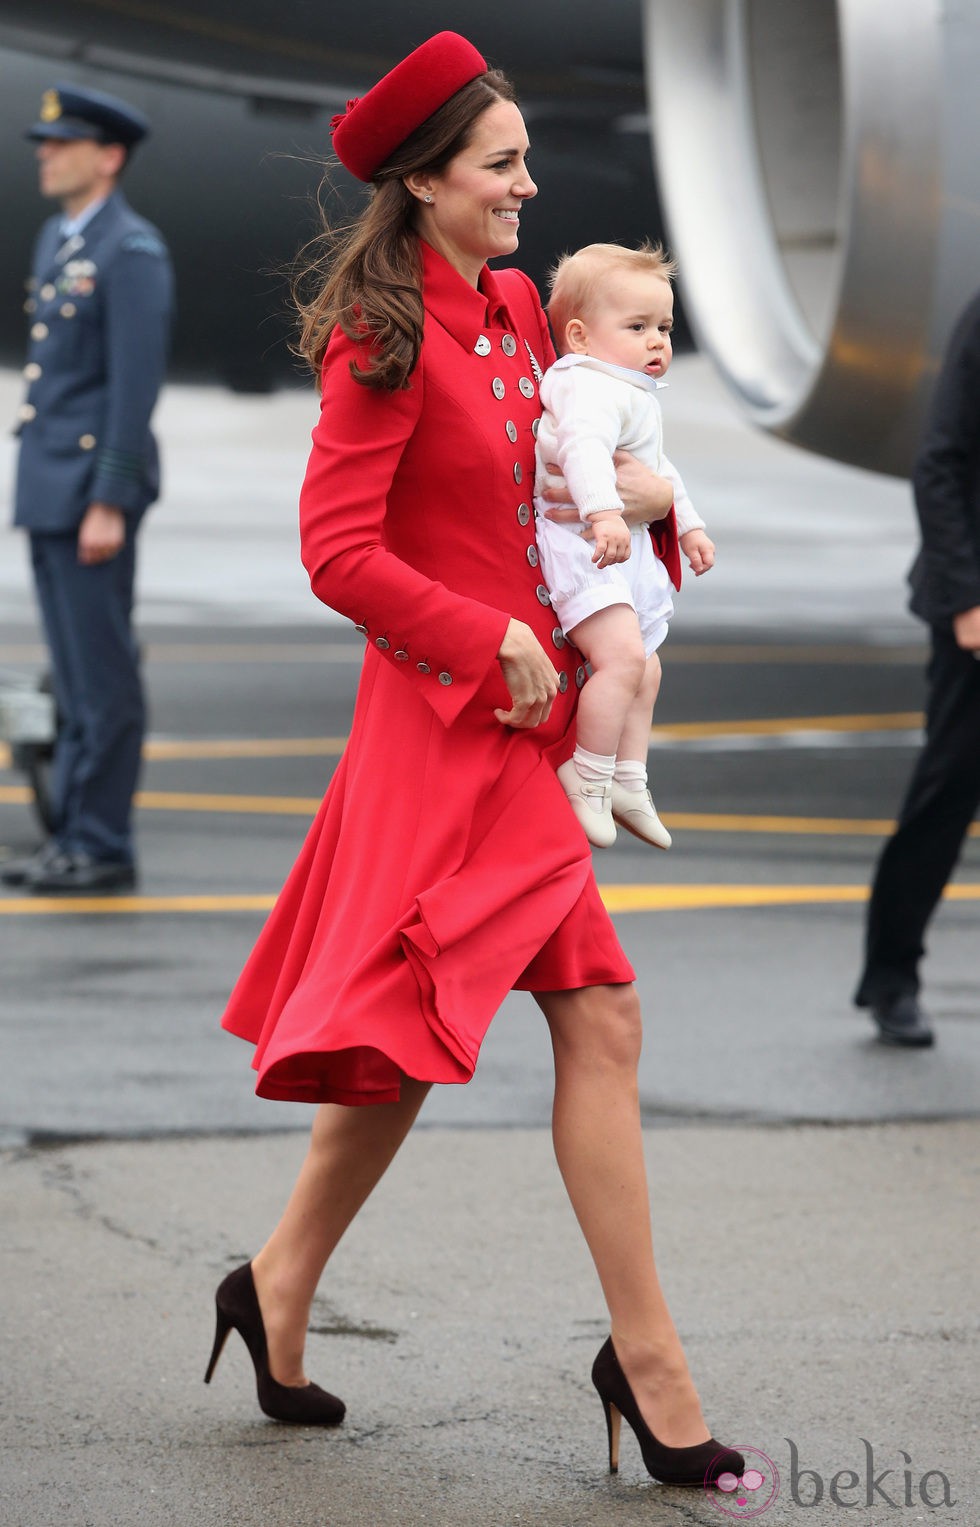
x: 940, y: 803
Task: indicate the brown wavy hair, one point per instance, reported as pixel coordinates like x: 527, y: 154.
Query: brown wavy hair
x: 367, y: 277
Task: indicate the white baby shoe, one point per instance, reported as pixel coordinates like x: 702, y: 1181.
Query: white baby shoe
x: 634, y: 810
x: 591, y: 801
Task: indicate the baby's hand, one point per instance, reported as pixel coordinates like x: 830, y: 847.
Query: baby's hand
x: 699, y: 551
x: 612, y: 538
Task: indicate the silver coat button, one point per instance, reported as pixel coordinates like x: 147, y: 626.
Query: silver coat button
x: 524, y: 514
x: 532, y: 555
x: 562, y: 682
x: 445, y: 678
x: 402, y: 655
x: 482, y: 346
x: 362, y: 627
x: 87, y: 442
x: 32, y: 371
x: 423, y: 667
x: 68, y: 310
x: 535, y: 427
x: 558, y: 637
x: 47, y: 292
x: 526, y: 386
x: 579, y: 676
x: 30, y: 306
x: 518, y: 472
x: 26, y: 412
x: 39, y: 331
x: 382, y: 643
x: 498, y: 387
x: 543, y: 596
x: 511, y: 429
x: 509, y: 344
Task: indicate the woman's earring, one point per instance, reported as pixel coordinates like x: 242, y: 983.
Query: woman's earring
x: 428, y: 198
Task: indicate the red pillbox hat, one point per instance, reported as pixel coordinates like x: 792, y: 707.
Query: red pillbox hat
x: 372, y: 128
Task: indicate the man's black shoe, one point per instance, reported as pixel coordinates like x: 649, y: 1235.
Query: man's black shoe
x: 19, y: 871
x: 74, y: 874
x: 901, y: 1021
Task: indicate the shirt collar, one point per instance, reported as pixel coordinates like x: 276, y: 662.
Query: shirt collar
x: 463, y: 310
x: 71, y: 227
x: 621, y: 373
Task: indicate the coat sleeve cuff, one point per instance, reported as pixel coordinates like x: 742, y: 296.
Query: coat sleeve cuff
x: 120, y: 480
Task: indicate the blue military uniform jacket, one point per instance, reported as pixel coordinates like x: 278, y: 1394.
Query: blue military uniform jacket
x: 101, y: 308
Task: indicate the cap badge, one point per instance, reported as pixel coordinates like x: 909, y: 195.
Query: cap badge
x: 50, y: 106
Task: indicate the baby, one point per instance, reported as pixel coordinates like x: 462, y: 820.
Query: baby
x: 611, y: 311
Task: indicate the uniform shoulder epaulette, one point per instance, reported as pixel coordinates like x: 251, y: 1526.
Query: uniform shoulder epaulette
x: 144, y: 243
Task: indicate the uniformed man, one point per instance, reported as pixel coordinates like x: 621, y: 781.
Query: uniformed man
x: 100, y: 303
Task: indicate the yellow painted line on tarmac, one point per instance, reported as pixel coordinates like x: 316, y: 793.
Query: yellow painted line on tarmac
x: 700, y: 821
x: 247, y: 747
x: 262, y: 805
x: 680, y: 731
x: 679, y: 821
x: 617, y: 898
x: 51, y: 905
x: 179, y: 800
x: 677, y: 898
x: 778, y: 726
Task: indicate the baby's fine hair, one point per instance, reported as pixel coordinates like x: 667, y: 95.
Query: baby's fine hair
x: 574, y: 282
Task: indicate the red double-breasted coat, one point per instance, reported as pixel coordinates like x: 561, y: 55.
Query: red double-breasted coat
x: 445, y: 866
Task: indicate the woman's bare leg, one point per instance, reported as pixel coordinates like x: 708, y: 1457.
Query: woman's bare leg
x: 596, y: 1035
x: 350, y: 1151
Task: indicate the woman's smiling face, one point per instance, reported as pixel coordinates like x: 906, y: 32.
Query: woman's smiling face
x: 474, y: 214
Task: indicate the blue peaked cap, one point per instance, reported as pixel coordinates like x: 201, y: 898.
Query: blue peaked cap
x: 71, y: 111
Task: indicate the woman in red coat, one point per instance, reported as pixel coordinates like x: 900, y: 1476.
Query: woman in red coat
x: 447, y: 869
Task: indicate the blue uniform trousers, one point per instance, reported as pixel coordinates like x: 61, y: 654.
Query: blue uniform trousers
x: 940, y: 803
x: 87, y: 614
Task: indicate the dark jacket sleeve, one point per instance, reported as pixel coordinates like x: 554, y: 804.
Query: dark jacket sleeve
x: 139, y: 302
x: 946, y: 479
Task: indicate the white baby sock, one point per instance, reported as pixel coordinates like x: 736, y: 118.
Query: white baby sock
x: 631, y: 774
x: 593, y: 766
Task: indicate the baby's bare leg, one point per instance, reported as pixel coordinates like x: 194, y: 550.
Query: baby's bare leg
x: 634, y: 741
x: 611, y: 642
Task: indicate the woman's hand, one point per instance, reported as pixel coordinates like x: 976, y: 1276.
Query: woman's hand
x: 529, y: 675
x: 646, y: 496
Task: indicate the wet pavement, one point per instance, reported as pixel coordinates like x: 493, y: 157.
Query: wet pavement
x: 814, y: 1192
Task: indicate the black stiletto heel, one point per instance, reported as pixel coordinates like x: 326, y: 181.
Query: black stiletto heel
x: 698, y: 1465
x: 237, y: 1306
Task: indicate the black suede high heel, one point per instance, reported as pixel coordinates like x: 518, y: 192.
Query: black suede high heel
x: 237, y: 1305
x: 697, y: 1465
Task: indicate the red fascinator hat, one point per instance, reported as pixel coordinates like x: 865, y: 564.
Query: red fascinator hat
x: 372, y: 128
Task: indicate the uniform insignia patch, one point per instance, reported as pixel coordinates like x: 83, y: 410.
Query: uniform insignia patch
x: 50, y: 106
x: 143, y: 243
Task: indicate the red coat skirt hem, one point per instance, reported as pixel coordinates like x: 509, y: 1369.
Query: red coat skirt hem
x: 341, y: 1016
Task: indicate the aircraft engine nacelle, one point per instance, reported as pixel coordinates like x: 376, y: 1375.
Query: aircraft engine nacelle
x: 820, y: 178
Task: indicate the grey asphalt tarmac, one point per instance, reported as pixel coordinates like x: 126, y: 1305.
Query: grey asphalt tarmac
x: 814, y: 1193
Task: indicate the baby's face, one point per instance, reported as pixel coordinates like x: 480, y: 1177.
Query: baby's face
x: 628, y: 324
